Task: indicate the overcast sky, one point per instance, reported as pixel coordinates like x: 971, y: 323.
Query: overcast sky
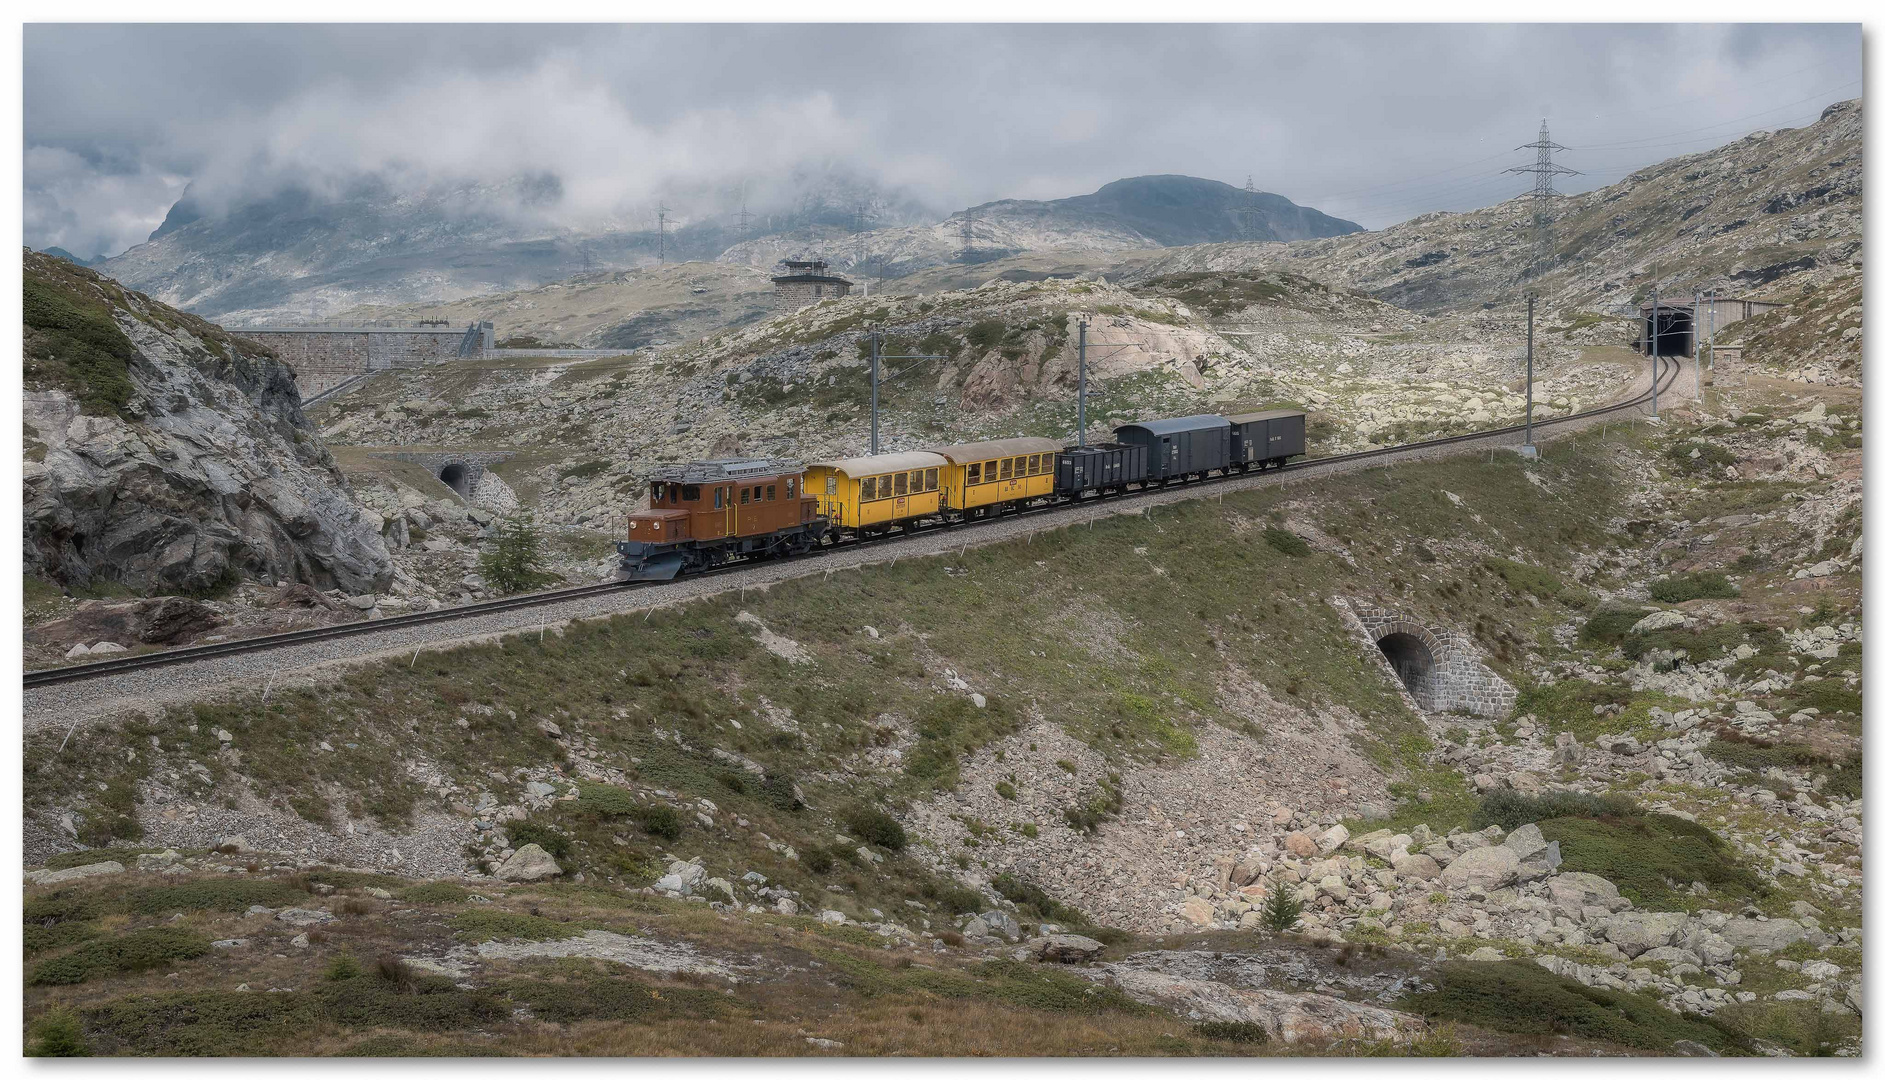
x: 1372, y: 123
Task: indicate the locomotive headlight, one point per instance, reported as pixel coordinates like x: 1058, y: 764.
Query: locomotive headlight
x: 657, y: 526
x: 632, y: 525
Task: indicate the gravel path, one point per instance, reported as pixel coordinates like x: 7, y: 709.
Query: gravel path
x: 69, y: 704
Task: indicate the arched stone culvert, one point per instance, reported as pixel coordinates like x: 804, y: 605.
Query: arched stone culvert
x: 453, y: 476
x: 460, y: 470
x: 1439, y: 667
x: 1412, y: 661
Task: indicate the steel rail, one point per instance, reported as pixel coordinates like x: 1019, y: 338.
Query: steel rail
x: 190, y: 653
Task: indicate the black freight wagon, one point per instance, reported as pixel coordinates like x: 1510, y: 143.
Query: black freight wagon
x: 1181, y: 446
x: 1269, y: 437
x: 1106, y: 467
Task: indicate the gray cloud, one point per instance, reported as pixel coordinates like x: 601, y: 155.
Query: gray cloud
x: 1374, y: 123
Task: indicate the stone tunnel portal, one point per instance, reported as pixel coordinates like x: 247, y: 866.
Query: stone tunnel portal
x: 1412, y: 660
x: 454, y: 477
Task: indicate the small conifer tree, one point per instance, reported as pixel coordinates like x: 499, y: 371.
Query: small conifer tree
x: 515, y: 563
x: 1280, y: 909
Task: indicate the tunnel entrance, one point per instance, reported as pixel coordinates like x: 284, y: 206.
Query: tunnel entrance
x: 453, y: 476
x: 1673, y: 333
x: 1412, y: 660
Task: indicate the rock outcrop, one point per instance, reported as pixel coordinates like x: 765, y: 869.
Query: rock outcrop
x: 167, y: 456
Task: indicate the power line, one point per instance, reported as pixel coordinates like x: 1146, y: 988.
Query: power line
x: 1543, y: 171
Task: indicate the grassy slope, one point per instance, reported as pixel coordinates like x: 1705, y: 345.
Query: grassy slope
x: 1200, y: 595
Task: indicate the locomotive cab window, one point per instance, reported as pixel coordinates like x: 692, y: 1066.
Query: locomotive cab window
x: 691, y: 493
x: 746, y: 495
x: 791, y: 487
x: 719, y: 495
x: 975, y: 473
x: 772, y: 492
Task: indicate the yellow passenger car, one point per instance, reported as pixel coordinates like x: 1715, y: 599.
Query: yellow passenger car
x: 877, y: 491
x: 983, y: 477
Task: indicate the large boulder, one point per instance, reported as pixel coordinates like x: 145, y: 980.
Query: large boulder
x: 1577, y: 891
x: 1491, y: 867
x: 1000, y: 922
x: 75, y: 873
x: 528, y: 863
x: 1064, y: 948
x: 1526, y: 840
x: 1287, y: 1018
x: 1769, y: 934
x: 1421, y: 867
x: 1637, y: 932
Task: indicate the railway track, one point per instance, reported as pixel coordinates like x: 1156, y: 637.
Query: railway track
x: 192, y: 653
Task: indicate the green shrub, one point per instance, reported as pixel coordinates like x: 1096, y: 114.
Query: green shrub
x: 139, y: 950
x: 1006, y: 790
x: 1829, y: 695
x: 606, y: 800
x: 816, y: 859
x: 1756, y: 755
x: 1285, y: 541
x: 434, y: 892
x: 514, y: 563
x: 434, y: 1003
x: 1526, y: 578
x: 57, y: 1034
x: 1610, y: 625
x: 1848, y: 780
x: 660, y: 821
x: 1510, y: 809
x: 213, y: 894
x: 1706, y: 586
x: 1519, y: 996
x: 873, y: 826
x: 1281, y: 910
x: 1237, y: 1031
x: 1100, y: 804
x: 73, y: 344
x: 987, y: 334
x: 531, y: 832
x: 1037, y: 902
x: 1646, y: 853
x: 341, y: 968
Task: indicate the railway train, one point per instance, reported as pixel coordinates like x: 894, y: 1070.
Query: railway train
x: 705, y: 514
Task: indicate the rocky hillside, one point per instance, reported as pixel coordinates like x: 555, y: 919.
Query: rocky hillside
x: 951, y: 776
x: 1764, y: 216
x: 166, y: 456
x: 797, y: 384
x: 615, y: 309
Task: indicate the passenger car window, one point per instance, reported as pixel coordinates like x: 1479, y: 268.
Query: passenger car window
x: 975, y: 473
x: 903, y: 483
x: 831, y: 484
x: 1007, y: 468
x: 870, y: 489
x: 929, y: 480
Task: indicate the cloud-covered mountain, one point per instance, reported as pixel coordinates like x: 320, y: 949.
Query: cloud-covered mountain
x: 299, y: 254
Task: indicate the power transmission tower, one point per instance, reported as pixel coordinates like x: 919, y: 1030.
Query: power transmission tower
x: 968, y: 233
x: 746, y: 219
x: 1543, y: 169
x: 1247, y: 213
x: 661, y: 225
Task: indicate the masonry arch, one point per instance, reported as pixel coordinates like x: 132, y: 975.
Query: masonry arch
x: 457, y: 477
x: 1412, y: 658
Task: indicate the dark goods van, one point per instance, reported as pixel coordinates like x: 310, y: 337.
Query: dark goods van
x: 1270, y: 437
x: 1182, y: 446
